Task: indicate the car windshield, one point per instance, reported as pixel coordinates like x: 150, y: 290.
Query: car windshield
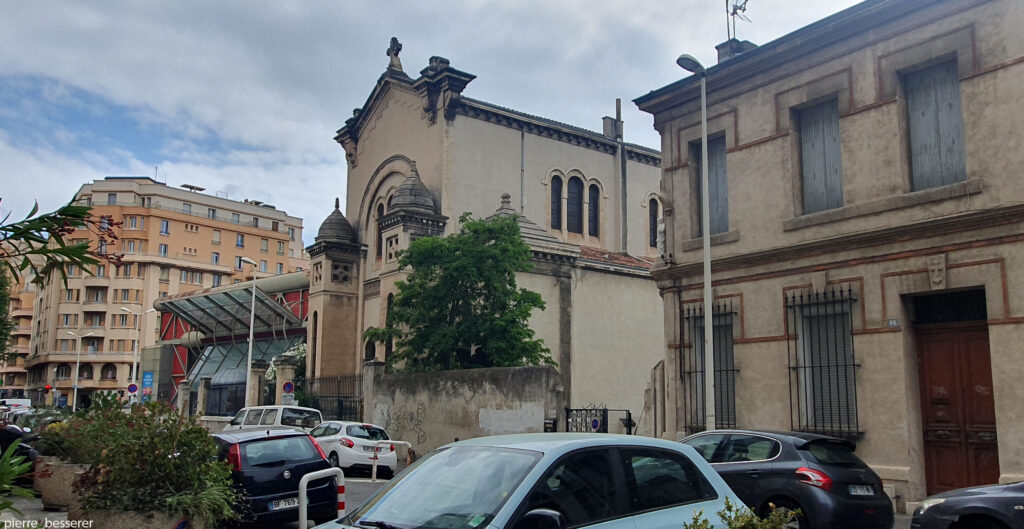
x: 366, y: 431
x: 454, y: 488
x: 834, y: 453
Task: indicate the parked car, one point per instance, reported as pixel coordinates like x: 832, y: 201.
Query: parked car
x: 551, y: 481
x: 352, y: 446
x: 267, y: 465
x: 816, y: 474
x: 263, y: 417
x: 986, y: 507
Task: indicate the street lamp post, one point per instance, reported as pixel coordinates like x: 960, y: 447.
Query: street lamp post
x: 691, y: 64
x: 135, y: 349
x: 78, y: 365
x: 252, y: 325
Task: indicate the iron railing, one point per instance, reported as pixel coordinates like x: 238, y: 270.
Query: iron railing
x: 692, y: 367
x: 339, y: 397
x: 822, y: 364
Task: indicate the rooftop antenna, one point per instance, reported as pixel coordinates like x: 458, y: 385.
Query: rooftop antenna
x: 733, y: 12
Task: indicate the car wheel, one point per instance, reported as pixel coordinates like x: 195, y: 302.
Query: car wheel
x: 799, y: 521
x: 385, y: 473
x: 333, y: 458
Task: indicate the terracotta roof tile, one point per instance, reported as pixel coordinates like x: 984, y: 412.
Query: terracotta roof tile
x: 604, y: 256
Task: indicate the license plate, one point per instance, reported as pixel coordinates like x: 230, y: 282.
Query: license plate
x: 368, y: 449
x: 861, y: 490
x: 284, y: 504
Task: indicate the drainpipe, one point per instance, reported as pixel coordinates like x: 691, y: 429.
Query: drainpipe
x: 522, y: 172
x: 623, y: 221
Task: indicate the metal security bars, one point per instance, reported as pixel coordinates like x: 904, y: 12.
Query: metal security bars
x: 822, y: 366
x: 692, y: 367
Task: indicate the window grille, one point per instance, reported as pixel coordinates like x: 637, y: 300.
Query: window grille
x: 822, y: 364
x: 692, y: 367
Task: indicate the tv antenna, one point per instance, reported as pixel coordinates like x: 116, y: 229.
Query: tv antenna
x: 732, y: 12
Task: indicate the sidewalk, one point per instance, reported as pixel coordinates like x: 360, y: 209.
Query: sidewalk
x: 32, y: 511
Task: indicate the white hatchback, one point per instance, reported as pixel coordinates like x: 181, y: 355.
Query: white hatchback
x: 354, y: 446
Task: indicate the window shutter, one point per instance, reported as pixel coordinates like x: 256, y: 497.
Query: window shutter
x: 936, y: 127
x: 719, y: 189
x: 556, y: 203
x: 821, y: 163
x: 574, y: 207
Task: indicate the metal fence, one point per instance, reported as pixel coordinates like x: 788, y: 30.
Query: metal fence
x: 338, y: 398
x: 822, y: 365
x: 692, y: 363
x: 599, y: 419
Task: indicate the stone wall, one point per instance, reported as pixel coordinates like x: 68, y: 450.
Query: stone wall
x: 429, y: 410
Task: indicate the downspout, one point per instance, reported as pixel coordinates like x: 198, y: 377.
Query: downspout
x: 522, y: 172
x: 623, y: 221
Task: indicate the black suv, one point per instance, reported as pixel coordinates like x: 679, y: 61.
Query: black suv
x: 816, y: 474
x: 268, y: 465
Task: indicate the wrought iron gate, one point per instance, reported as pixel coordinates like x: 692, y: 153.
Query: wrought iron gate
x: 338, y: 398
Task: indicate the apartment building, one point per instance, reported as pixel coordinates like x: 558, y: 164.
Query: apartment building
x: 12, y: 369
x: 171, y: 241
x: 866, y: 239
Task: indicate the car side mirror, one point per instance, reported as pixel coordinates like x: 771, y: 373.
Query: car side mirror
x: 541, y: 519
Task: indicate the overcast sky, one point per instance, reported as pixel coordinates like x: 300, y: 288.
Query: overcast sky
x: 244, y: 97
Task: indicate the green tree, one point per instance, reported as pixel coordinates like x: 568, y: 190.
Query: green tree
x: 460, y: 307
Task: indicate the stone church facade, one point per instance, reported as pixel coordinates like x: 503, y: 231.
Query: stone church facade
x: 420, y: 154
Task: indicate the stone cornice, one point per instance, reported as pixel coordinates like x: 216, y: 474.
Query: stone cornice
x: 336, y: 248
x: 972, y: 220
x: 430, y: 224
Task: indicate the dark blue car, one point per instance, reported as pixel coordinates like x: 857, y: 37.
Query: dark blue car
x: 988, y: 507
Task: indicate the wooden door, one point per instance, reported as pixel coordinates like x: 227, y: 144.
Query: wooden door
x: 958, y: 408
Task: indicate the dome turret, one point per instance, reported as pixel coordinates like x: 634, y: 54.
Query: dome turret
x: 413, y: 195
x: 336, y: 227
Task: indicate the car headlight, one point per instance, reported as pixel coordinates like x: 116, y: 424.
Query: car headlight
x: 928, y: 503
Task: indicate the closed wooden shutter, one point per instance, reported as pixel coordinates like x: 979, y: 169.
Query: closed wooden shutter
x: 719, y: 195
x: 936, y: 127
x: 821, y: 164
x: 574, y: 206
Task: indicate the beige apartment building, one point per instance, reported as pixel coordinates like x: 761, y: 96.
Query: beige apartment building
x: 171, y: 241
x: 867, y: 239
x: 12, y: 370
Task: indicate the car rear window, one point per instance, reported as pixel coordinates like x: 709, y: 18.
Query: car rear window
x: 282, y: 450
x: 834, y: 453
x: 366, y: 431
x: 300, y: 418
x: 325, y: 429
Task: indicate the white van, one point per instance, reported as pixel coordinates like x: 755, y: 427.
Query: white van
x: 277, y: 416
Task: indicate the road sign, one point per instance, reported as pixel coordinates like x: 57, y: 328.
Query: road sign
x: 288, y: 387
x: 288, y: 398
x: 595, y: 424
x: 132, y: 388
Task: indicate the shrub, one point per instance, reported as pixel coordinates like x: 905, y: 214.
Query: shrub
x: 739, y: 517
x: 146, y: 458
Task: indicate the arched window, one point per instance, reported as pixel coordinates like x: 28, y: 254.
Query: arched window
x: 390, y: 346
x: 311, y: 361
x: 63, y: 372
x: 652, y: 212
x: 109, y: 372
x: 556, y: 203
x: 380, y: 236
x: 594, y: 210
x: 574, y: 206
x: 370, y: 352
x: 85, y: 372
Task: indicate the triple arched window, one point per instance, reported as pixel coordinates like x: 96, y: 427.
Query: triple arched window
x: 573, y: 205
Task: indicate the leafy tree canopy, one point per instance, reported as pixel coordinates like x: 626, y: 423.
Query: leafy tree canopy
x: 460, y: 307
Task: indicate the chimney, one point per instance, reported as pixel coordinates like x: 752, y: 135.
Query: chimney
x: 613, y: 126
x: 732, y: 48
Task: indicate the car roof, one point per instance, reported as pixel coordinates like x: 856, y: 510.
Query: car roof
x: 563, y: 441
x: 251, y: 435
x: 278, y: 406
x: 797, y: 438
x: 353, y: 423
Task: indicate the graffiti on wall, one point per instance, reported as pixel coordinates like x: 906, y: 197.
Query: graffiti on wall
x: 404, y: 422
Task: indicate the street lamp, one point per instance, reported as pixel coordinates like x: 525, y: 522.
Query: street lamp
x: 135, y: 349
x: 78, y: 365
x: 691, y: 64
x: 252, y: 325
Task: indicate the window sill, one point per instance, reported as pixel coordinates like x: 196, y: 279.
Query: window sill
x: 716, y: 239
x: 906, y: 200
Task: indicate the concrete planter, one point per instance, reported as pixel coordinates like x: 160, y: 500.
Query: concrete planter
x: 136, y: 520
x: 53, y: 480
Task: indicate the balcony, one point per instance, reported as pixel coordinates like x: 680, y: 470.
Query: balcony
x: 21, y: 331
x: 21, y: 313
x: 97, y: 281
x: 95, y: 306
